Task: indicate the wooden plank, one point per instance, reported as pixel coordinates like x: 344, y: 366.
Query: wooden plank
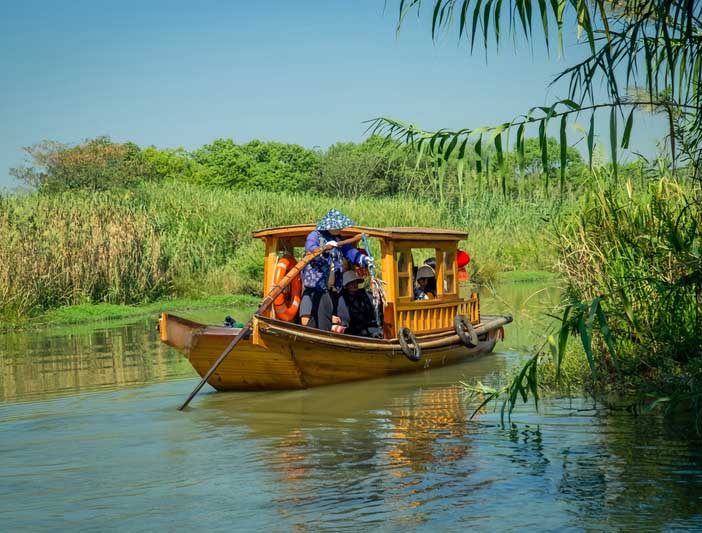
x: 394, y: 233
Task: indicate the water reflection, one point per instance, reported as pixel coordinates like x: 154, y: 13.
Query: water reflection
x: 529, y: 303
x: 47, y: 364
x: 384, y: 454
x: 394, y: 450
x: 395, y: 453
x: 638, y: 468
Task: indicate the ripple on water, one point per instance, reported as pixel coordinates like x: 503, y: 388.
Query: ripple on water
x: 95, y: 442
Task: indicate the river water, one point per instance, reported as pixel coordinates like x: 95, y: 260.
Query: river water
x: 90, y: 439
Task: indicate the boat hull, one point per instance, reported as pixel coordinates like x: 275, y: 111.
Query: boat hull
x: 285, y: 356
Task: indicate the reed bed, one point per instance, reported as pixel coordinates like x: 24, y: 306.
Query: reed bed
x: 640, y: 252
x: 182, y: 240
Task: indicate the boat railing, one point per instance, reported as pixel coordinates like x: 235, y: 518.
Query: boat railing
x: 436, y: 315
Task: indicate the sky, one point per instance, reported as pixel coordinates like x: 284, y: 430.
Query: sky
x: 182, y: 74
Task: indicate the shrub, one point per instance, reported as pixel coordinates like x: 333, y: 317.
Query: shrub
x: 256, y: 165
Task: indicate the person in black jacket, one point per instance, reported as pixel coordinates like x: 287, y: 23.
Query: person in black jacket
x: 355, y: 308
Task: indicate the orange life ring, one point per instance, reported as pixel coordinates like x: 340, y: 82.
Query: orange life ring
x: 287, y: 303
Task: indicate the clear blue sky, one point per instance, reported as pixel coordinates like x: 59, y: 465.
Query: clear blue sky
x: 176, y: 73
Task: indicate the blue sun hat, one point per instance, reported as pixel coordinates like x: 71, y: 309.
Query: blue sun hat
x: 334, y: 220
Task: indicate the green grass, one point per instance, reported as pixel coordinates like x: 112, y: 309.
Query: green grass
x: 87, y: 313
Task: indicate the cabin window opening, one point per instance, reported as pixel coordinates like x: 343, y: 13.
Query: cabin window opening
x: 285, y: 249
x: 405, y: 277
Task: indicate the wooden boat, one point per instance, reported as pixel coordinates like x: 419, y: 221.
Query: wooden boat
x: 284, y: 355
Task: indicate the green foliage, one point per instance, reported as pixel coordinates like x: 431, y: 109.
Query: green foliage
x: 180, y: 239
x: 256, y: 165
x: 531, y: 168
x: 171, y: 163
x: 632, y: 259
x: 95, y: 165
x: 372, y: 168
x: 83, y: 313
x: 653, y: 44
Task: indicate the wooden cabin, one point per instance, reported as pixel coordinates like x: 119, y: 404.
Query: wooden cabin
x: 400, y: 252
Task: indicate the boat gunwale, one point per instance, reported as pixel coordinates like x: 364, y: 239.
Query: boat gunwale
x: 487, y: 324
x: 445, y: 338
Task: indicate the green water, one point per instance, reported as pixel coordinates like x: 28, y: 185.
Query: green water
x: 90, y: 439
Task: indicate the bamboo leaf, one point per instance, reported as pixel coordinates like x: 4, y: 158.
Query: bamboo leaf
x: 420, y: 153
x: 522, y: 16
x: 461, y: 159
x: 544, y: 21
x: 591, y: 140
x: 450, y: 147
x: 520, y: 147
x: 479, y: 151
x: 587, y: 344
x: 553, y: 348
x: 496, y: 21
x: 498, y: 150
x: 613, y: 138
x: 434, y: 18
x: 564, y: 145
x: 462, y: 22
x: 607, y: 334
x: 486, y: 21
x: 572, y: 105
x: 627, y: 130
x: 533, y: 381
x: 562, y: 341
x: 476, y: 19
x: 543, y: 144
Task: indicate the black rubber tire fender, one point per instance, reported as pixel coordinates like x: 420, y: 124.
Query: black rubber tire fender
x: 465, y: 331
x: 406, y: 337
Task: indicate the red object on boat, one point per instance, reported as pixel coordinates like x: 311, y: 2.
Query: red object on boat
x: 462, y: 258
x: 361, y: 272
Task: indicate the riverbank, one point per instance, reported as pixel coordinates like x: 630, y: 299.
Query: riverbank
x: 91, y: 313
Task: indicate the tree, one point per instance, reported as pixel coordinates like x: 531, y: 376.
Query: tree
x: 372, y: 168
x: 256, y: 165
x: 97, y: 164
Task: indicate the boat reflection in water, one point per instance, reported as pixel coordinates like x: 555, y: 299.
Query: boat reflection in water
x: 380, y: 446
x: 74, y: 360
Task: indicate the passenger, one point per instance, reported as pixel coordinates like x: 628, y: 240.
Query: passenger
x: 424, y: 274
x: 355, y: 308
x: 316, y: 306
x: 431, y: 284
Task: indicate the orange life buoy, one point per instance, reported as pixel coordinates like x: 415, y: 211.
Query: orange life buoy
x: 287, y: 303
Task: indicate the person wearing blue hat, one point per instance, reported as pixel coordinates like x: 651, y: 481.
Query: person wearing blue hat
x: 317, y: 306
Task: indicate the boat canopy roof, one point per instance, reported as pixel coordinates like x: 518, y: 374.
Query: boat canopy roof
x: 391, y: 234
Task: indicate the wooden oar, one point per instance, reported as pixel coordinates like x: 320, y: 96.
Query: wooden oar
x: 265, y: 304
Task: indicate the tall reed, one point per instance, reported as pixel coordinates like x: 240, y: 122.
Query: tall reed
x: 640, y: 253
x: 632, y: 262
x: 180, y: 239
